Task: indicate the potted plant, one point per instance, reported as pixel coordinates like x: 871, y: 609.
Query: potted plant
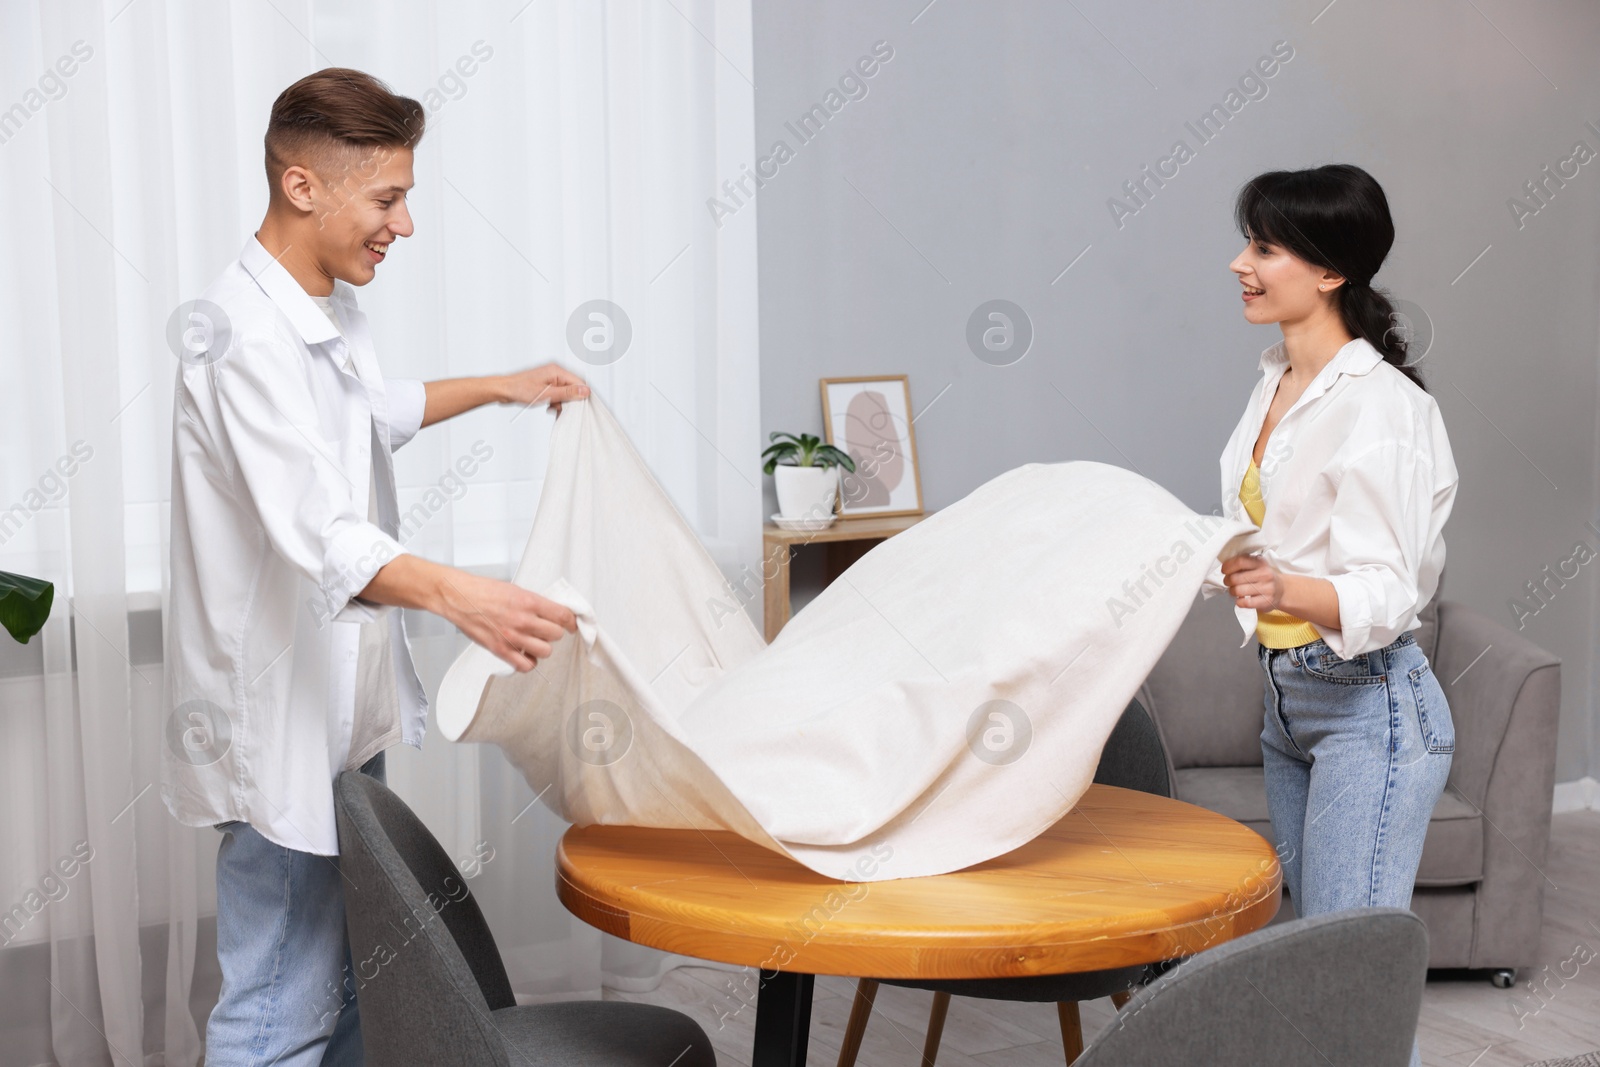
x: 24, y: 605
x: 807, y: 475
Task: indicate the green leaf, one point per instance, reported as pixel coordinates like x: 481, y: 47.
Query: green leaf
x: 24, y: 604
x: 836, y: 458
x: 796, y: 450
x: 803, y: 450
x: 774, y: 454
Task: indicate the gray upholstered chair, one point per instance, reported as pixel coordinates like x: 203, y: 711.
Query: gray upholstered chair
x: 1479, y: 887
x: 431, y: 986
x: 1339, y: 988
x: 1133, y: 759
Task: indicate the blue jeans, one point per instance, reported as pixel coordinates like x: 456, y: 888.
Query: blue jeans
x: 1356, y: 753
x: 288, y: 995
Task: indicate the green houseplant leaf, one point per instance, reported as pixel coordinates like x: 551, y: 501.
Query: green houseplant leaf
x: 833, y: 457
x: 803, y: 450
x: 24, y: 604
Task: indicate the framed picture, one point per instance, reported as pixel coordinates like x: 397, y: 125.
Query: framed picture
x: 870, y: 419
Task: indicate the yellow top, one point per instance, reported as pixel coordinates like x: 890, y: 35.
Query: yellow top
x: 1275, y: 629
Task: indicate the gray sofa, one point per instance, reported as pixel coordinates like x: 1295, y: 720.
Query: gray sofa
x: 1479, y: 887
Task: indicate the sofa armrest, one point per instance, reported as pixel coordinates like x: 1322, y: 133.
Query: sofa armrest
x: 1505, y: 699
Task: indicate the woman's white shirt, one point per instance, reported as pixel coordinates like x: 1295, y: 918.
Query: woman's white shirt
x: 1358, y: 480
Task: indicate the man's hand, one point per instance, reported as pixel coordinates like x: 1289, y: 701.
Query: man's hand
x: 516, y: 625
x: 551, y: 384
x: 1253, y: 581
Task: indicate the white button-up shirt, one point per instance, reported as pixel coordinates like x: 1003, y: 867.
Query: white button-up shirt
x: 275, y: 442
x: 1358, y: 480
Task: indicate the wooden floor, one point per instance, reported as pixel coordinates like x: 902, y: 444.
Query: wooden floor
x: 1466, y: 1022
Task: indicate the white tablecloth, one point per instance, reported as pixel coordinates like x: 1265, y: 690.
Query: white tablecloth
x: 941, y: 703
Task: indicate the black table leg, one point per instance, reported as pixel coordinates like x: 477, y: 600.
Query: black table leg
x: 783, y: 1019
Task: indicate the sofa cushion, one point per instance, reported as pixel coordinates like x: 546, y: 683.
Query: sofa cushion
x: 1206, y: 691
x: 1452, y: 853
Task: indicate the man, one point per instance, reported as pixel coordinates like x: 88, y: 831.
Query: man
x: 286, y: 662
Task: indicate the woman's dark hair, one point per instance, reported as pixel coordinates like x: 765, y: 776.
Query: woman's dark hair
x: 1338, y: 218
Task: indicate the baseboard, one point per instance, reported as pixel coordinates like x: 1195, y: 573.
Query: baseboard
x: 1582, y: 795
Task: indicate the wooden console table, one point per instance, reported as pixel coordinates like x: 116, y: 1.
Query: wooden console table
x: 776, y: 543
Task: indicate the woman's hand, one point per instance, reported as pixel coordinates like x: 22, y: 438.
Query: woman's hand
x: 551, y: 384
x: 1258, y: 585
x: 1254, y: 582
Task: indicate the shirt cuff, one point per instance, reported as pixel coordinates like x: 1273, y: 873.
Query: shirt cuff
x: 356, y: 553
x: 407, y: 397
x: 1355, y: 616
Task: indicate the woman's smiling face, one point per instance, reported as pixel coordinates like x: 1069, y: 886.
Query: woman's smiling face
x: 1278, y: 286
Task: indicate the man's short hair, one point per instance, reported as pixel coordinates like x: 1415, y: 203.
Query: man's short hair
x: 325, y: 120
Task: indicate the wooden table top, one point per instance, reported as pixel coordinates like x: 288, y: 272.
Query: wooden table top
x: 1125, y: 878
x: 858, y: 529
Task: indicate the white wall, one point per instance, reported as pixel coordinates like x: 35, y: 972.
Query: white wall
x: 979, y: 165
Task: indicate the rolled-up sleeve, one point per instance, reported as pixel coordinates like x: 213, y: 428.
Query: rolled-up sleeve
x: 306, y: 502
x: 1378, y: 534
x: 407, y: 398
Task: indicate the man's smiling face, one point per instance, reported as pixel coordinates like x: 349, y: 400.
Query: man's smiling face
x: 360, y: 212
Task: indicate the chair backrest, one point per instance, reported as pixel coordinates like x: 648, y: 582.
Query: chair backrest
x: 1339, y: 988
x: 427, y: 971
x: 1134, y: 757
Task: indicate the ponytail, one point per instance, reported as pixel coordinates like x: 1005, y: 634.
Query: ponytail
x: 1369, y: 315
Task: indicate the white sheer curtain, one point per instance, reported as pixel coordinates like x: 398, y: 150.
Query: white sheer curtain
x: 572, y: 146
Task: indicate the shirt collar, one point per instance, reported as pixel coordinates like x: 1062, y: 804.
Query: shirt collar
x: 1356, y: 357
x: 295, y: 303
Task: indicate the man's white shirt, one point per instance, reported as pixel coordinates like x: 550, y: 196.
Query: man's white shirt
x: 375, y: 725
x: 1358, y: 480
x: 283, y: 509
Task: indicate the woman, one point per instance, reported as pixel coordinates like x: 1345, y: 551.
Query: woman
x: 1341, y: 458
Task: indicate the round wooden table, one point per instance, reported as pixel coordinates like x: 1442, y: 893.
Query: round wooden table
x: 1125, y: 878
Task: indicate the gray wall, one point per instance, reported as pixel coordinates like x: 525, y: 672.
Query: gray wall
x: 980, y: 162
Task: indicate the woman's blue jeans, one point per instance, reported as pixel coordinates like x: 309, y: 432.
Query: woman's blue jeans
x: 1356, y: 753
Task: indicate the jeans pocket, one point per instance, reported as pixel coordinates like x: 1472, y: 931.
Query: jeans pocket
x: 1433, y: 714
x: 1319, y: 661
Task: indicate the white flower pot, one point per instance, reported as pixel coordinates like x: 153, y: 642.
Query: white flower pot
x: 806, y: 492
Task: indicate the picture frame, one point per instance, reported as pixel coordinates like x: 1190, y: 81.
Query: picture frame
x: 869, y: 417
